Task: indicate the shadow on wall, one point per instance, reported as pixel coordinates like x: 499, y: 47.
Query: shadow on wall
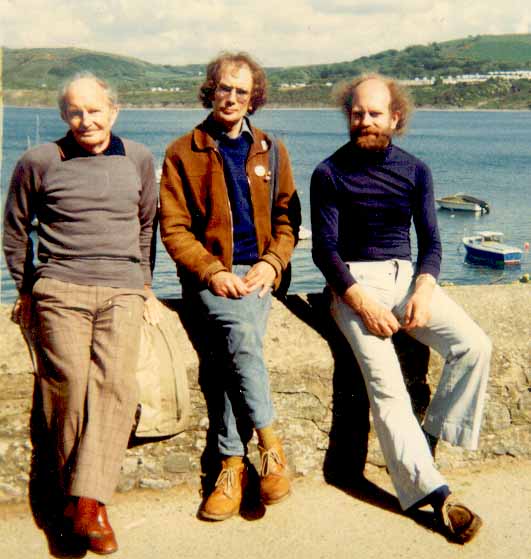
x: 348, y: 438
x: 215, y: 379
x: 46, y: 495
x: 345, y: 456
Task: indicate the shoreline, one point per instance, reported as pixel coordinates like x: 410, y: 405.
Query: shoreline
x: 281, y: 108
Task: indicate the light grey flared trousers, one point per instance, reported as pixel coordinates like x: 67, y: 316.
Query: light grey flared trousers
x: 456, y: 408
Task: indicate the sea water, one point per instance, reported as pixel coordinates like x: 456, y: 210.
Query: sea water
x: 486, y: 154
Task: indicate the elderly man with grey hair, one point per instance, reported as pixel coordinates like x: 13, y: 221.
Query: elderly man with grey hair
x: 94, y: 198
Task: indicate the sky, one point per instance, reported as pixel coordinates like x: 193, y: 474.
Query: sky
x: 275, y: 32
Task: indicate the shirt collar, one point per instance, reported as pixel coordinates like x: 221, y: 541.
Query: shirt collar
x: 246, y: 128
x: 70, y: 149
x: 217, y: 132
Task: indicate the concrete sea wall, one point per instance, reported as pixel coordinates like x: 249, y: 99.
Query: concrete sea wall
x: 321, y: 405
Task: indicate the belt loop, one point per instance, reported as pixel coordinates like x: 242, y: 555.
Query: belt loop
x: 397, y: 267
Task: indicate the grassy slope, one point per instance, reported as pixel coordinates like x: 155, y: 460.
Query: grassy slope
x: 513, y: 49
x: 31, y: 68
x: 31, y: 76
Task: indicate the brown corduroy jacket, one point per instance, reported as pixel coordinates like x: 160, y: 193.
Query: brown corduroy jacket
x: 196, y: 219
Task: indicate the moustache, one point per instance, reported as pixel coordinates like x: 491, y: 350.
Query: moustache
x: 367, y: 132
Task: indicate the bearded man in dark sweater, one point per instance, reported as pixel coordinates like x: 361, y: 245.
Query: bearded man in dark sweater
x: 94, y: 197
x: 231, y: 238
x: 363, y: 199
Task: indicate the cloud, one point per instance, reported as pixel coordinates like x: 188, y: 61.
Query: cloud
x: 277, y: 32
x: 366, y: 7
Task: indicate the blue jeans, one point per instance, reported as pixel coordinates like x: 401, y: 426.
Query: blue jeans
x: 236, y: 328
x: 456, y: 409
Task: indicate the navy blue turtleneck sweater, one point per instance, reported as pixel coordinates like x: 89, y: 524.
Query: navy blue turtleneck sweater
x: 362, y: 205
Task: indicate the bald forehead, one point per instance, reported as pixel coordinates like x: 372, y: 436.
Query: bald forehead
x: 372, y: 88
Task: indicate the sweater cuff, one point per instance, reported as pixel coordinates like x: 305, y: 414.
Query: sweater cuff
x: 429, y: 269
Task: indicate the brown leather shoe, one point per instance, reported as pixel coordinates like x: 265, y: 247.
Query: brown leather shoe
x: 458, y: 521
x: 90, y: 521
x: 274, y: 474
x: 226, y: 498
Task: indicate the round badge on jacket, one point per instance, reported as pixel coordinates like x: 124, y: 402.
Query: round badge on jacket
x: 259, y: 171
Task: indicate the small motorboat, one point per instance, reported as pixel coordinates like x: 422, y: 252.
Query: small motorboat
x: 487, y: 247
x: 463, y: 202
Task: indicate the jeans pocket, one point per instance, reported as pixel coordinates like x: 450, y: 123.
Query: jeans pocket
x: 377, y: 279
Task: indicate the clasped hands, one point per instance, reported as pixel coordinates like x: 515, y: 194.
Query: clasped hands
x: 226, y: 284
x: 380, y: 321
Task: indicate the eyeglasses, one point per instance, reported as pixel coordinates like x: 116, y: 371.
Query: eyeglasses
x: 225, y: 91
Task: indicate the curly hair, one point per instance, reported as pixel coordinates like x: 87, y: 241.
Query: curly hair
x: 238, y: 59
x: 110, y: 91
x: 401, y: 101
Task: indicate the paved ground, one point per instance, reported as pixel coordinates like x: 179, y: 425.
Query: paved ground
x: 317, y: 521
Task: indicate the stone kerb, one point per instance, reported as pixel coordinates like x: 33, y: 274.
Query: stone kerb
x: 321, y: 405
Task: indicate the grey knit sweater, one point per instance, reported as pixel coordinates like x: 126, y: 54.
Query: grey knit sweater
x: 95, y: 215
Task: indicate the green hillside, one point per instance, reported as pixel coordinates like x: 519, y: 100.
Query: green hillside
x: 47, y: 68
x: 511, y: 49
x: 479, y: 54
x: 31, y: 76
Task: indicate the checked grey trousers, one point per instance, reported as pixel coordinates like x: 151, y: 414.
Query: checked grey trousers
x: 456, y: 408
x: 89, y: 338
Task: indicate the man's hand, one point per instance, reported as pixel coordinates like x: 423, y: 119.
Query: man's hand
x: 377, y: 319
x: 227, y: 284
x: 261, y: 275
x: 417, y: 313
x: 152, y: 308
x: 22, y: 310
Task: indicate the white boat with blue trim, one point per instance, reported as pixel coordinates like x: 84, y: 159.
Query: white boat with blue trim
x: 487, y: 247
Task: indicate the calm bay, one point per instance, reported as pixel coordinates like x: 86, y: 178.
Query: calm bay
x: 484, y: 153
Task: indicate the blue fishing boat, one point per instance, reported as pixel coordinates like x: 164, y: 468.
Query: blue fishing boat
x: 487, y: 247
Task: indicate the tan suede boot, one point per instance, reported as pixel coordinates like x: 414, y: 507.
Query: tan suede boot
x: 274, y: 474
x: 226, y: 498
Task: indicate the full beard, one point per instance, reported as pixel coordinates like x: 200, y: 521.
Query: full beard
x: 370, y: 139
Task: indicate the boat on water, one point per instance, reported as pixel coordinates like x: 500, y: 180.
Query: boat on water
x: 463, y: 202
x: 487, y: 247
